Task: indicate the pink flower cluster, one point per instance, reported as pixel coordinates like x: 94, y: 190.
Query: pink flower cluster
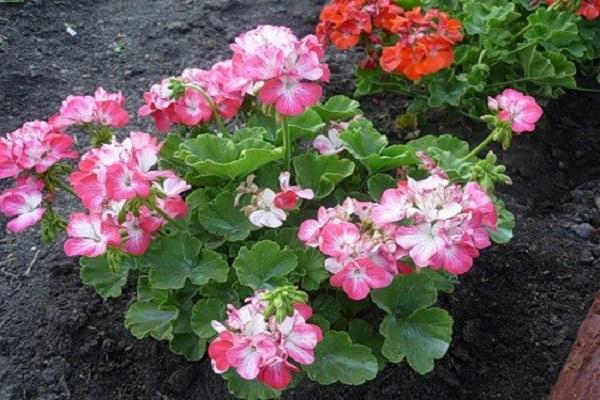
x: 269, y: 61
x: 429, y: 223
x: 29, y: 151
x: 268, y: 208
x: 285, y: 67
x: 520, y: 111
x: 109, y: 177
x: 105, y: 109
x: 262, y: 348
x: 225, y: 89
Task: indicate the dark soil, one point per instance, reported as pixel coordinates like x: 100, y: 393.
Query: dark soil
x: 516, y: 313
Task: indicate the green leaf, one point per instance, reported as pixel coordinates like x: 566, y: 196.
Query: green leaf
x: 149, y: 317
x: 321, y: 173
x: 311, y: 267
x: 145, y: 292
x: 249, y: 390
x: 204, y: 312
x: 257, y: 132
x: 167, y: 159
x: 97, y: 273
x: 548, y: 68
x: 221, y: 218
x: 337, y: 359
x: 210, y: 155
x: 445, y: 88
x: 307, y: 125
x: 379, y: 183
x: 406, y: 294
x: 362, y: 332
x: 188, y: 345
x: 173, y: 259
x: 338, y: 108
x: 481, y: 17
x: 555, y: 31
x: 264, y: 264
x: 506, y: 223
x: 362, y: 140
x: 326, y: 306
x: 391, y: 157
x: 421, y: 338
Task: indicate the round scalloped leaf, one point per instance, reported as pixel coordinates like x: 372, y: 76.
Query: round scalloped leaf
x: 337, y: 359
x: 264, y: 264
x: 203, y: 313
x: 210, y: 155
x: 188, y: 345
x: 149, y: 317
x: 249, y: 390
x: 222, y: 219
x: 406, y: 294
x: 338, y: 108
x: 421, y: 338
x: 97, y: 273
x: 321, y: 173
x: 174, y: 259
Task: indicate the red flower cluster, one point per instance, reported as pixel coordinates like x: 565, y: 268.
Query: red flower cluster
x: 589, y: 9
x: 424, y: 44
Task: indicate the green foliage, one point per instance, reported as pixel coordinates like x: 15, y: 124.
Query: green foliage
x: 338, y: 108
x: 421, y: 338
x: 337, y: 359
x: 321, y: 173
x: 97, y: 273
x: 210, y: 155
x: 222, y: 219
x: 265, y: 264
x: 249, y: 390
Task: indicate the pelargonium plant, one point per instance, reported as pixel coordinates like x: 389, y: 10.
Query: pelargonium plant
x: 284, y: 236
x: 454, y: 54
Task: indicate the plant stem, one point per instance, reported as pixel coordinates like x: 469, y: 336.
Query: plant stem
x: 213, y: 108
x: 287, y: 142
x: 480, y: 147
x: 582, y: 89
x: 59, y: 183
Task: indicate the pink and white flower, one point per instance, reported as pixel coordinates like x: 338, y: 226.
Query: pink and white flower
x: 521, y: 111
x: 90, y: 236
x: 260, y: 347
x: 24, y: 203
x: 358, y: 277
x: 103, y: 108
x: 330, y: 144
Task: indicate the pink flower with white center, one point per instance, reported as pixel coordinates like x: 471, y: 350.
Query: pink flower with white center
x: 123, y: 183
x: 192, y: 108
x: 288, y: 198
x: 393, y: 206
x: 160, y: 106
x: 516, y: 108
x: 103, y: 109
x: 477, y: 200
x: 299, y: 338
x: 339, y: 239
x: 260, y: 347
x: 35, y: 146
x: 290, y: 95
x: 358, y: 277
x: 310, y: 229
x: 25, y: 204
x: 330, y: 144
x: 140, y: 231
x: 422, y: 242
x: 249, y: 355
x: 90, y: 236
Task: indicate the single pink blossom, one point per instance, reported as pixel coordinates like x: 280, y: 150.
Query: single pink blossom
x: 90, y: 236
x: 357, y: 278
x: 25, y: 204
x: 521, y: 111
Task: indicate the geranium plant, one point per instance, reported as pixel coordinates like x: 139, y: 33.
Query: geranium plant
x: 443, y: 53
x: 284, y: 236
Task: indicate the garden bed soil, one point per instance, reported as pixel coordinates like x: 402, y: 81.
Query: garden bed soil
x: 516, y: 314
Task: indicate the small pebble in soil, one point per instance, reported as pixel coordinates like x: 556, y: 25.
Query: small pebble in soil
x: 586, y: 257
x: 585, y: 230
x: 178, y: 27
